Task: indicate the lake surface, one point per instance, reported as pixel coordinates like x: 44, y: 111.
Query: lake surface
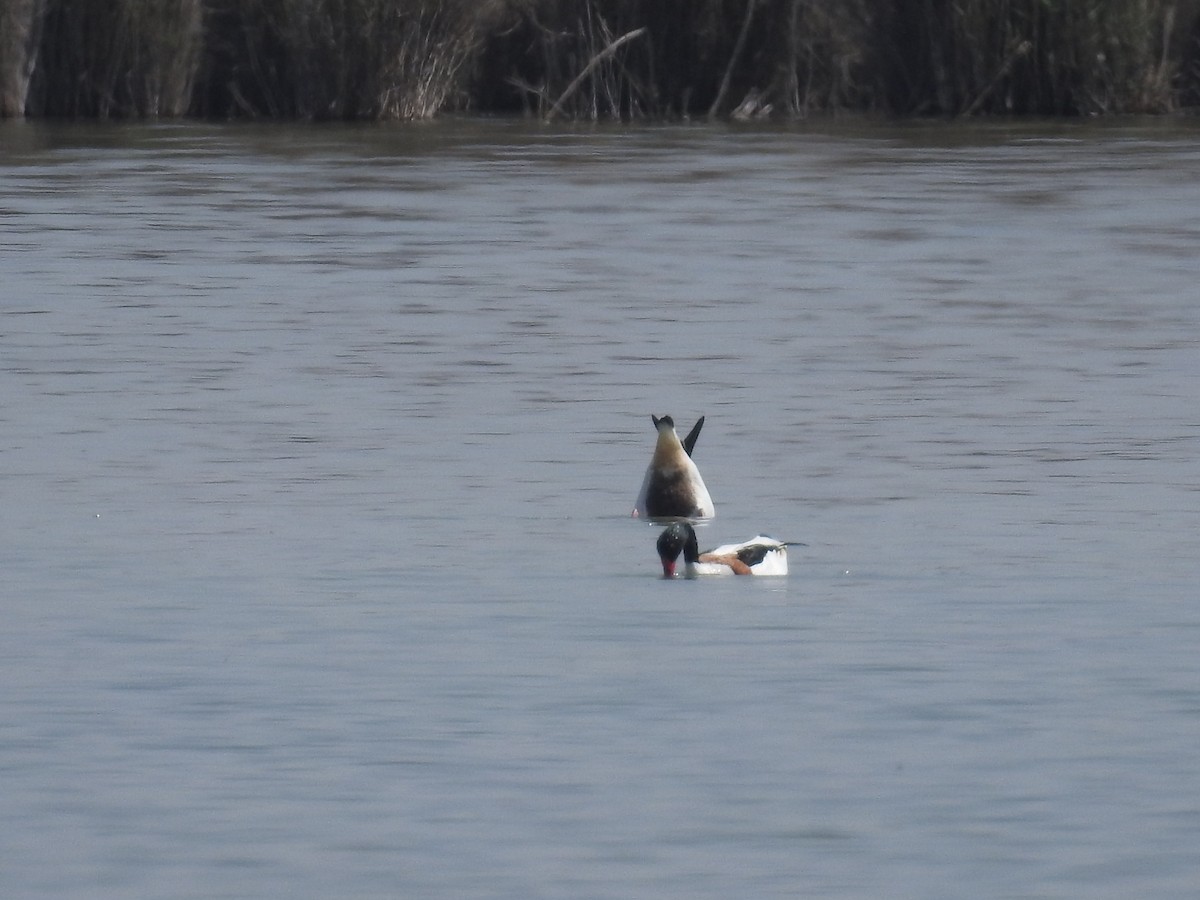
x: 317, y: 450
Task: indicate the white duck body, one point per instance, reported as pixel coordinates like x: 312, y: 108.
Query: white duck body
x: 771, y: 555
x: 761, y: 555
x: 672, y: 487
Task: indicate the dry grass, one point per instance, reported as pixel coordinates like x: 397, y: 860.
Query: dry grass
x: 1046, y: 57
x: 596, y: 59
x: 118, y: 59
x: 20, y: 42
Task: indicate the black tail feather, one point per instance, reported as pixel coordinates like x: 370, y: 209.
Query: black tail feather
x: 690, y: 441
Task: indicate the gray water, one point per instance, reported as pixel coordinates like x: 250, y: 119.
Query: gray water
x: 317, y: 449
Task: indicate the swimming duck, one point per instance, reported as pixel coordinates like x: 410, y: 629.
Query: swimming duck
x: 760, y: 555
x: 673, y: 487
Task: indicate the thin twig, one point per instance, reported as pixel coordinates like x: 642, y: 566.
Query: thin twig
x: 734, y: 57
x: 1021, y: 49
x: 587, y: 70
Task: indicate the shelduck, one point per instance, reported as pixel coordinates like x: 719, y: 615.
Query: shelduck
x: 760, y: 555
x: 672, y: 487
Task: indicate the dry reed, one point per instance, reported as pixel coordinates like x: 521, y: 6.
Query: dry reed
x: 595, y: 59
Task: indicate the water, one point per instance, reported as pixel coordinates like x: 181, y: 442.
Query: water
x: 317, y: 447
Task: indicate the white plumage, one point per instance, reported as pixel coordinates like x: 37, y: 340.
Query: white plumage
x: 761, y: 555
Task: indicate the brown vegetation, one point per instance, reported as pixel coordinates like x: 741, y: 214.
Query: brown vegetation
x: 119, y: 58
x: 1045, y: 57
x: 20, y: 36
x: 595, y: 59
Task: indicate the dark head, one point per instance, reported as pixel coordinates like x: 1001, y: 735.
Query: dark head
x: 677, y: 538
x: 660, y: 421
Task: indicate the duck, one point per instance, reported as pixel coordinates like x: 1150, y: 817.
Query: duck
x: 761, y: 555
x: 672, y: 487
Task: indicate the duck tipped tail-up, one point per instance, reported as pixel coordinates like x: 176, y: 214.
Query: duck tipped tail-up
x: 672, y: 487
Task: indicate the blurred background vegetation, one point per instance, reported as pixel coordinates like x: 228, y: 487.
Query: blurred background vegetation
x: 596, y: 59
